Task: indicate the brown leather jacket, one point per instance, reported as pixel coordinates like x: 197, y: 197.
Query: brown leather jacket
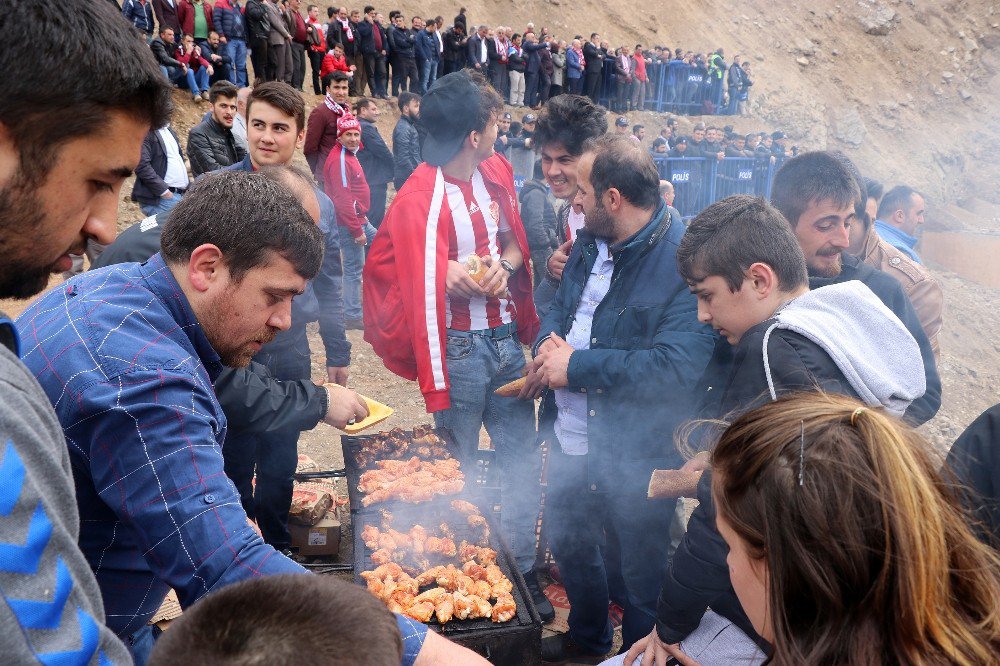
x: 918, y: 284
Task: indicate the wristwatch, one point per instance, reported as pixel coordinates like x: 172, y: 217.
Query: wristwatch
x: 506, y: 265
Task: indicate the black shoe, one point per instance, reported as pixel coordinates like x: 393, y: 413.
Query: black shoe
x: 561, y: 649
x: 542, y: 603
x: 355, y: 324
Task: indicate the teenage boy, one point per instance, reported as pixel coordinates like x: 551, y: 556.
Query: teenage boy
x: 275, y: 129
x: 346, y: 185
x: 429, y: 320
x: 564, y: 125
x: 211, y: 144
x: 744, y: 264
x: 321, y: 132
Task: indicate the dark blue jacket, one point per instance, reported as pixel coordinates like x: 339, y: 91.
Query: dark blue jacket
x: 647, y: 353
x: 229, y: 20
x: 376, y: 159
x: 427, y: 46
x: 139, y: 15
x: 534, y: 56
x: 323, y: 299
x: 366, y: 34
x: 402, y: 41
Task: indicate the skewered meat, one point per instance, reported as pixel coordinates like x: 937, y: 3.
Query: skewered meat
x: 413, y: 480
x: 470, y: 606
x: 397, y: 444
x: 504, y: 609
x: 431, y: 594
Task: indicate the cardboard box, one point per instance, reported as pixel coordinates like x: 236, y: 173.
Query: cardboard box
x: 323, y: 538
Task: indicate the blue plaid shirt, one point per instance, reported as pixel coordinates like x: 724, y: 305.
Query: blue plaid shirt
x: 129, y: 371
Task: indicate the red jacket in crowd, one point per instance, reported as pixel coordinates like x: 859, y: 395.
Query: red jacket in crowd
x: 185, y: 14
x: 193, y: 59
x: 345, y: 184
x: 334, y: 64
x: 404, y: 320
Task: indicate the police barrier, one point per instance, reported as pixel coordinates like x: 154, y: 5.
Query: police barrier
x: 673, y: 87
x: 701, y: 181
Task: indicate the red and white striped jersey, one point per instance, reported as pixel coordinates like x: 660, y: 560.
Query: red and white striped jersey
x: 475, y: 222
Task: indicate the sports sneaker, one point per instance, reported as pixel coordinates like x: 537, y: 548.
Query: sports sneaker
x: 542, y: 603
x: 560, y: 649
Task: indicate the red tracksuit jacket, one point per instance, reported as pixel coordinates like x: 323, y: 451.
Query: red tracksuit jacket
x: 404, y: 278
x: 345, y: 184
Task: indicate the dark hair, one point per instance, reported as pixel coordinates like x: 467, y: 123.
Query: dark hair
x: 405, y: 98
x: 368, y: 8
x: 622, y: 164
x: 731, y: 235
x: 636, y: 128
x: 362, y: 103
x: 394, y: 13
x: 164, y: 28
x: 593, y: 34
x: 570, y: 121
x: 283, y: 97
x: 335, y: 75
x: 899, y: 197
x: 874, y: 189
x: 812, y: 178
x: 869, y: 556
x: 68, y: 88
x: 490, y: 101
x: 536, y: 171
x: 283, y: 620
x: 222, y: 89
x: 248, y: 216
x: 330, y: 11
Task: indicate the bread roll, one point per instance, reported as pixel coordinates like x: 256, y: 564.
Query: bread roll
x: 511, y: 389
x: 477, y: 267
x: 672, y: 483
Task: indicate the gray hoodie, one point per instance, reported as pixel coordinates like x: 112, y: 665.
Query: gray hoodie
x: 854, y: 327
x: 51, y: 600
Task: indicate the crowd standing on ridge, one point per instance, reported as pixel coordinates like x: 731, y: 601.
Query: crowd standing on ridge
x: 152, y: 405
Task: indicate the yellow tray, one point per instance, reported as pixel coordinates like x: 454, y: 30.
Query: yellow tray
x: 377, y: 412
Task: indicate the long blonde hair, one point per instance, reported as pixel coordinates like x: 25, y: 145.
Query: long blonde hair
x: 870, y: 557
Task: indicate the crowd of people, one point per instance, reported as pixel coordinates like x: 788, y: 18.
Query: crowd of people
x: 152, y: 405
x: 197, y: 43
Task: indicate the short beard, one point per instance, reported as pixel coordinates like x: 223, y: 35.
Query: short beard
x: 21, y: 215
x: 599, y: 222
x: 825, y: 272
x: 213, y: 323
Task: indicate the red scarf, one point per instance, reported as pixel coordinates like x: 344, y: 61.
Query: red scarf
x: 347, y: 29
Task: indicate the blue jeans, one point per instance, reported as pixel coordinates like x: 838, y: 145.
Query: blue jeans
x: 354, y: 261
x: 237, y: 51
x: 193, y: 81
x: 580, y: 524
x: 140, y: 644
x: 428, y: 75
x: 273, y: 455
x: 477, y: 366
x: 161, y: 206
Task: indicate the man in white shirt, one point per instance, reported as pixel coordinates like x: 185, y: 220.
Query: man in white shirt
x: 161, y: 177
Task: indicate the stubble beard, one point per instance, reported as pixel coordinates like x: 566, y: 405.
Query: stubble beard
x: 19, y: 210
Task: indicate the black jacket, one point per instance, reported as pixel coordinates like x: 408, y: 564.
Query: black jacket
x: 251, y: 398
x: 375, y: 157
x: 152, y: 167
x: 364, y: 32
x: 406, y: 150
x: 403, y: 43
x: 593, y: 59
x: 336, y: 34
x: 258, y: 22
x: 454, y: 49
x: 891, y: 294
x: 975, y: 460
x: 697, y: 576
x: 164, y: 53
x: 212, y: 146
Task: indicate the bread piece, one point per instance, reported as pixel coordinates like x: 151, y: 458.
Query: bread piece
x: 511, y: 389
x: 672, y: 483
x: 477, y: 267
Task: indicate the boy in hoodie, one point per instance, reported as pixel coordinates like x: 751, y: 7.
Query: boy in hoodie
x: 743, y: 262
x: 344, y: 181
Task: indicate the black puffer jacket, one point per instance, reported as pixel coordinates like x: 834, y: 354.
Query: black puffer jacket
x: 212, y: 146
x: 540, y: 224
x: 257, y: 20
x: 975, y: 460
x: 164, y: 53
x: 406, y: 150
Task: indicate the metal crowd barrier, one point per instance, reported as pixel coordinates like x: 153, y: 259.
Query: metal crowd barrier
x: 701, y: 181
x: 673, y: 87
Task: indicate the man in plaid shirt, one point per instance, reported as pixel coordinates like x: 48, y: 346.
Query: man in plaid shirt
x: 127, y: 356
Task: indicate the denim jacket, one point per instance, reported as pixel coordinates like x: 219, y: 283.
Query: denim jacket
x: 646, y: 354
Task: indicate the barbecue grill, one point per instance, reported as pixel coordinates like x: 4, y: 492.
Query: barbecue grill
x: 516, y: 642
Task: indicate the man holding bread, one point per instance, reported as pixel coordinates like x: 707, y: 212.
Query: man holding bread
x: 619, y: 354
x: 457, y: 334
